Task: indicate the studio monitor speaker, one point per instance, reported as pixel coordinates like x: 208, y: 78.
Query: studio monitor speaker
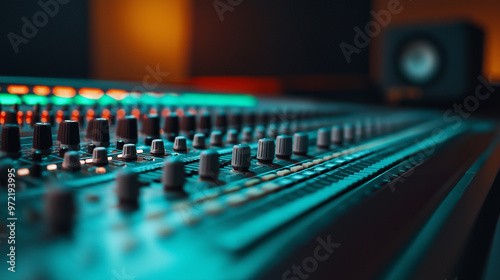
x: 437, y: 63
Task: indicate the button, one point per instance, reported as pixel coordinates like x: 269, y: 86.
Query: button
x: 129, y: 152
x: 69, y: 135
x: 100, y: 132
x: 171, y: 126
x: 126, y: 129
x: 173, y: 175
x: 180, y: 144
x: 11, y: 141
x: 100, y: 156
x: 199, y: 141
x: 71, y: 161
x: 265, y: 150
x: 157, y: 147
x: 283, y: 146
x: 241, y: 157
x: 300, y: 143
x: 42, y: 138
x: 209, y: 165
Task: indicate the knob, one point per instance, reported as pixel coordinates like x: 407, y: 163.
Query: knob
x: 173, y: 176
x: 180, y: 144
x: 323, y: 140
x: 283, y: 146
x: 265, y: 150
x: 157, y: 147
x: 284, y: 128
x: 348, y: 133
x: 272, y: 131
x: 369, y: 127
x: 336, y: 135
x: 205, y: 123
x: 127, y: 187
x: 42, y: 138
x: 300, y: 143
x: 119, y: 145
x: 209, y: 165
x: 216, y: 139
x: 69, y: 135
x: 100, y: 132
x: 100, y: 156
x: 235, y: 120
x: 241, y: 157
x: 60, y: 210
x: 188, y: 125
x: 262, y: 118
x: 249, y: 119
x: 10, y: 116
x: 232, y: 136
x: 221, y: 121
x: 71, y: 161
x: 260, y: 132
x: 129, y: 152
x: 11, y: 141
x: 246, y: 134
x: 199, y: 141
x: 358, y: 131
x: 126, y: 129
x: 171, y: 126
x: 151, y: 126
x: 90, y: 129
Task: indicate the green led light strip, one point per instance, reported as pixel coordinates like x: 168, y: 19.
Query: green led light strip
x: 9, y: 99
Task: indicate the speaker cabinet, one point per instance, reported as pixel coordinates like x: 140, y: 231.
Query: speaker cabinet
x: 436, y: 63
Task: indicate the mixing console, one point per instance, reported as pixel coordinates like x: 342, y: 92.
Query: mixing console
x: 149, y: 187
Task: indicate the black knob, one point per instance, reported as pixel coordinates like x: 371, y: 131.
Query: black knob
x: 60, y: 210
x: 11, y: 141
x: 300, y: 143
x: 69, y: 135
x: 10, y: 116
x: 323, y: 138
x: 127, y: 187
x: 283, y: 146
x: 236, y: 120
x: 157, y: 147
x: 90, y: 129
x: 174, y: 175
x: 241, y: 157
x: 100, y: 132
x: 199, y: 141
x: 171, y: 126
x: 216, y: 139
x: 232, y: 136
x: 42, y: 138
x: 126, y: 129
x: 249, y: 119
x: 188, y: 125
x: 209, y: 165
x: 151, y: 126
x: 180, y: 144
x: 221, y: 121
x: 100, y: 156
x: 129, y: 152
x: 205, y: 123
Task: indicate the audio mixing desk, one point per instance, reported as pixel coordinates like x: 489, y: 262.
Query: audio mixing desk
x: 102, y: 183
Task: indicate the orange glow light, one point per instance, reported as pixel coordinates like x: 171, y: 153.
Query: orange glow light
x: 65, y: 92
x: 192, y: 111
x: 59, y: 117
x: 18, y: 89
x: 91, y: 93
x: 41, y: 90
x: 117, y: 94
x: 2, y: 117
x: 120, y: 113
x: 45, y: 116
x: 75, y: 114
x: 165, y: 112
x: 106, y: 114
x: 29, y: 114
x: 179, y: 112
x: 153, y: 111
x: 90, y: 114
x: 136, y: 113
x: 20, y: 117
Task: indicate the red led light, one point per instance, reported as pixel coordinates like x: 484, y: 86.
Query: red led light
x: 29, y: 115
x: 90, y: 114
x: 45, y: 116
x: 165, y: 112
x: 120, y: 114
x: 136, y: 113
x: 75, y: 114
x: 20, y: 118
